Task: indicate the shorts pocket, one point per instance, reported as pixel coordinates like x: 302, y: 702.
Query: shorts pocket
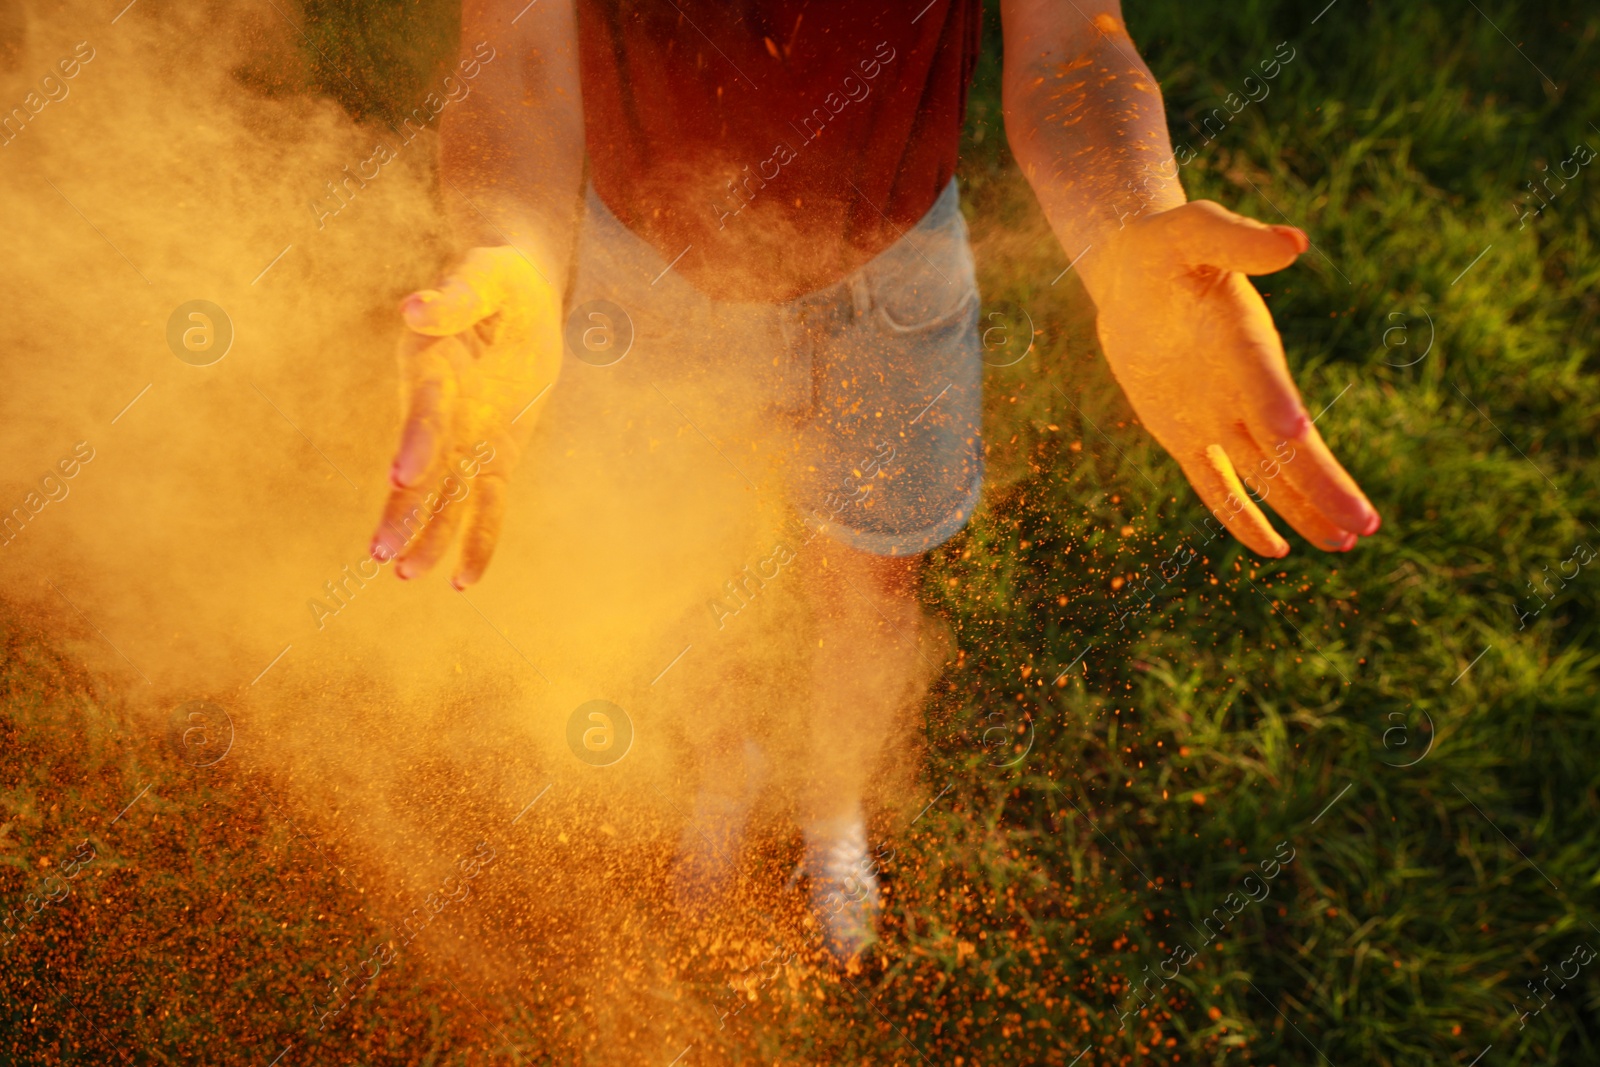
x: 926, y: 278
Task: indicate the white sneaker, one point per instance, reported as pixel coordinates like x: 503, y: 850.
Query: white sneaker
x: 844, y: 887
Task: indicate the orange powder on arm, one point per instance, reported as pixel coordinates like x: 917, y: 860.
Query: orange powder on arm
x: 1110, y: 25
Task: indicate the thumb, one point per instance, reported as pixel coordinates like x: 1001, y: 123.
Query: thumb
x: 471, y: 293
x: 1206, y: 232
x: 450, y: 309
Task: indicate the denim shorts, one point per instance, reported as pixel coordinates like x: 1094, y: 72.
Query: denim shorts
x: 868, y: 391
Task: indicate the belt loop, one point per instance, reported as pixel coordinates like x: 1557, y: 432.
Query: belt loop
x: 860, y: 295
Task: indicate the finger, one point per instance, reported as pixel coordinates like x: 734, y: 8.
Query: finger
x: 471, y: 292
x: 1206, y: 232
x: 1262, y: 475
x: 483, y: 529
x: 1298, y: 511
x: 451, y: 308
x: 427, y: 425
x: 446, y: 508
x: 1312, y: 470
x: 1273, y: 410
x: 404, y: 517
x: 1212, y: 475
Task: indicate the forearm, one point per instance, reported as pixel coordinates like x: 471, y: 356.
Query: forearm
x: 511, y: 158
x: 1086, y: 122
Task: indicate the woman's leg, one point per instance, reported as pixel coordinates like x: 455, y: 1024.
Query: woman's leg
x: 868, y: 621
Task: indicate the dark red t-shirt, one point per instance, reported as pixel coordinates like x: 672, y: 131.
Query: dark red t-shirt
x: 769, y: 147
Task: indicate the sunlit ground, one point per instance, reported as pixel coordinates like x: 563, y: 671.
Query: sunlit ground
x: 1344, y: 806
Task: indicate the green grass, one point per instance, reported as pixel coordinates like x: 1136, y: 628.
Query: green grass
x: 1253, y: 703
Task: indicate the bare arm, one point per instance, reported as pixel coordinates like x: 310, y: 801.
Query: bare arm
x: 485, y: 346
x: 1085, y: 120
x: 511, y: 156
x: 1186, y: 334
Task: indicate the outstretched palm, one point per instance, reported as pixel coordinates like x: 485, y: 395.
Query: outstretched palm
x: 1193, y: 346
x: 476, y: 352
